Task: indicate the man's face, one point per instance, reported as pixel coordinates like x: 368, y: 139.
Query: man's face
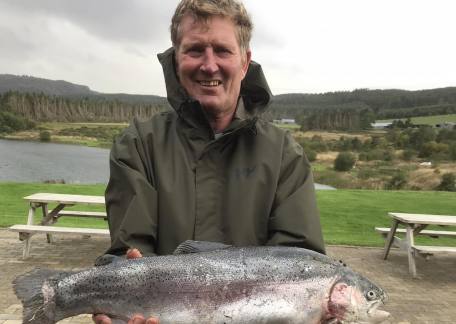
x: 210, y: 64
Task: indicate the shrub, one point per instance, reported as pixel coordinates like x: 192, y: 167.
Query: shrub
x: 388, y: 155
x: 311, y: 155
x: 45, y: 136
x: 397, y: 181
x: 452, y: 151
x: 448, y: 182
x: 10, y: 122
x: 408, y: 155
x: 344, y: 161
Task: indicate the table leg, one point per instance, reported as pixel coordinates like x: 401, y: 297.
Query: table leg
x: 31, y: 216
x: 44, y: 209
x: 410, y: 253
x: 390, y: 239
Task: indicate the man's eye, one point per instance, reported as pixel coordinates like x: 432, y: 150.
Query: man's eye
x: 222, y: 51
x: 194, y: 52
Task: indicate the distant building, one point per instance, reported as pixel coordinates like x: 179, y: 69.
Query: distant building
x: 285, y: 121
x: 381, y: 125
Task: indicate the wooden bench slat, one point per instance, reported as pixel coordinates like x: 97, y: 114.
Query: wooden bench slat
x: 82, y: 213
x: 385, y: 230
x: 56, y: 229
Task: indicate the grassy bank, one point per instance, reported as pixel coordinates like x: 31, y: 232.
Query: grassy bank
x: 88, y: 134
x: 348, y: 216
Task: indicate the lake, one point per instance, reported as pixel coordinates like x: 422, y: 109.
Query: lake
x: 22, y: 161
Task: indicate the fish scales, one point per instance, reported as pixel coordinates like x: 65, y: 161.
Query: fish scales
x: 231, y: 285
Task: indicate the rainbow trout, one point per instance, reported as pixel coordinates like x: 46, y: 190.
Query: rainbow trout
x: 207, y: 282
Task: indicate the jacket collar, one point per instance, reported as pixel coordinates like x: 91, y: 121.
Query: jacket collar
x: 255, y: 92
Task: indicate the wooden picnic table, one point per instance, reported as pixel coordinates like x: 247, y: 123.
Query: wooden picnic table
x: 50, y: 217
x: 415, y: 224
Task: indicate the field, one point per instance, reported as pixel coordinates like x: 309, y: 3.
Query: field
x: 428, y: 120
x: 348, y: 217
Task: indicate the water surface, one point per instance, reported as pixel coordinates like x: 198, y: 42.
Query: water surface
x: 22, y: 161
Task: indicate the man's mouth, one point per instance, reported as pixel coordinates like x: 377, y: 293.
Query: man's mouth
x: 210, y: 83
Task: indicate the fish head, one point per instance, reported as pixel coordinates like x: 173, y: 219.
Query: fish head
x: 355, y: 299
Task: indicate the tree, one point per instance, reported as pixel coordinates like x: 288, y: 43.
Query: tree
x: 344, y: 161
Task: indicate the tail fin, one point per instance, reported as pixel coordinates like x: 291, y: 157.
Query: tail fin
x: 36, y: 291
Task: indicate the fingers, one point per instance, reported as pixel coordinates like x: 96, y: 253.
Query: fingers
x: 133, y: 254
x: 152, y: 320
x: 136, y: 319
x: 101, y: 319
x: 139, y: 319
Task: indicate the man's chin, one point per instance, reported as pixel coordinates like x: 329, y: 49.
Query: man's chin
x: 210, y: 105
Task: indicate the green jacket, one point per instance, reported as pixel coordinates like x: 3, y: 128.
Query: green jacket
x: 173, y: 180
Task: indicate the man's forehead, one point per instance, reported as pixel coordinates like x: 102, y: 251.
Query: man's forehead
x: 220, y: 30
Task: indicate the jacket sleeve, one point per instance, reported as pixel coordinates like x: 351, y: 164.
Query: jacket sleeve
x: 295, y: 219
x: 131, y: 199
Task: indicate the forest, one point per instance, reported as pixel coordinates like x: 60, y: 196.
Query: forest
x: 25, y: 100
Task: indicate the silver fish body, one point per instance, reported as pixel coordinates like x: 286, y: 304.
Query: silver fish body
x: 231, y: 285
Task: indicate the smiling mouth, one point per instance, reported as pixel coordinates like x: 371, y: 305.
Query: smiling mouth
x: 210, y: 83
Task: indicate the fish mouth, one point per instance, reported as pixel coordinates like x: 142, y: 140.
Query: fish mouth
x: 376, y: 315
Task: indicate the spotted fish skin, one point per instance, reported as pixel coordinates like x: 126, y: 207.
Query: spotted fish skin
x: 230, y: 285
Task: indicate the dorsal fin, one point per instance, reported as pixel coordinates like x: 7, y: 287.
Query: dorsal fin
x: 190, y: 246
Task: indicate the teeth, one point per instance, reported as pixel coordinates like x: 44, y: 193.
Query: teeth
x: 212, y: 83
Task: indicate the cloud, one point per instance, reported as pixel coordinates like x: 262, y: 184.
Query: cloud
x: 117, y: 20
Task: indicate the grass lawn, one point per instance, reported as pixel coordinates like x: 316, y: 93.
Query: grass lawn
x: 13, y: 209
x: 348, y: 216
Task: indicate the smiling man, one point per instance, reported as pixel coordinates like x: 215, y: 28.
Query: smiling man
x: 211, y: 65
x: 212, y: 169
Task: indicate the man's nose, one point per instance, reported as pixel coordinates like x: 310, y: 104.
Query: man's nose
x: 209, y: 64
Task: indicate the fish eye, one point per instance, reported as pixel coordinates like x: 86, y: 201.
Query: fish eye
x: 370, y: 295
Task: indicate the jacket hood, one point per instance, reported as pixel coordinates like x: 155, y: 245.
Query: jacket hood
x: 255, y: 91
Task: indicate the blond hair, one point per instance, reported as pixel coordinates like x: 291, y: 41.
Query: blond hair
x: 203, y: 10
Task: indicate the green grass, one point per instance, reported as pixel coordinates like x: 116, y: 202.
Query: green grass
x: 428, y: 120
x: 288, y: 126
x: 348, y: 217
x: 14, y: 209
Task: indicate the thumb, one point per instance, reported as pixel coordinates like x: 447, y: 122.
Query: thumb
x: 133, y: 254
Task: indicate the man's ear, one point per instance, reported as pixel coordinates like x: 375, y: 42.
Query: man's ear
x: 246, y: 62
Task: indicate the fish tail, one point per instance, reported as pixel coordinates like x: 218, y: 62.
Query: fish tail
x: 36, y: 290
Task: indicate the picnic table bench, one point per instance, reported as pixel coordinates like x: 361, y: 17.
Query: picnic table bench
x: 415, y: 224
x: 50, y: 217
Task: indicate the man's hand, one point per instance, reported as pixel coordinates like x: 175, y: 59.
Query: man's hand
x: 136, y: 319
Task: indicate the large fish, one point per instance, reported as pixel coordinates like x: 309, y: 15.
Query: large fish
x: 208, y: 283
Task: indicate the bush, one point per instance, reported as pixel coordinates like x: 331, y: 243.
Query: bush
x: 45, y: 136
x: 408, y: 155
x: 448, y: 182
x: 397, y: 181
x: 9, y: 122
x: 375, y: 154
x: 452, y: 151
x: 311, y: 155
x: 344, y: 161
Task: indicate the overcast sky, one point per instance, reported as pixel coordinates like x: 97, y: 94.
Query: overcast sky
x: 303, y: 46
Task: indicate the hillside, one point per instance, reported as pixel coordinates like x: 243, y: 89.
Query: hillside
x: 30, y: 84
x: 43, y: 100
x: 385, y: 104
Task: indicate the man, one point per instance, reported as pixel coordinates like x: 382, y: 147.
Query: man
x: 212, y: 169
